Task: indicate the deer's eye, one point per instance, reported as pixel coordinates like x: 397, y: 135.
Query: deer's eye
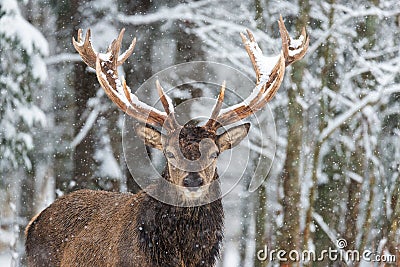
x: 169, y: 155
x: 214, y: 155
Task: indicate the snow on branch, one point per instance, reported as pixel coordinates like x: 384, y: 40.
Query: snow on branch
x: 163, y: 13
x: 349, y: 13
x: 12, y: 24
x: 205, y: 18
x: 370, y: 99
x: 355, y: 176
x: 325, y: 227
x: 91, y: 119
x: 62, y: 58
x: 176, y: 12
x: 370, y: 11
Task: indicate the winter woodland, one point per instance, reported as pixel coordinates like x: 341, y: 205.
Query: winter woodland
x: 336, y: 170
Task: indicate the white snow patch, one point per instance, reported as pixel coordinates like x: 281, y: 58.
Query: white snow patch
x: 39, y: 69
x: 295, y: 44
x: 265, y: 64
x: 27, y: 138
x: 12, y: 25
x: 109, y: 166
x: 31, y: 115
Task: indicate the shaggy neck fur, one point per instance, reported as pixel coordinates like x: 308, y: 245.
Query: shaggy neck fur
x: 180, y: 236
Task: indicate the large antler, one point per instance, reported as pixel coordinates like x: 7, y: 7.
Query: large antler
x: 117, y: 90
x: 269, y: 76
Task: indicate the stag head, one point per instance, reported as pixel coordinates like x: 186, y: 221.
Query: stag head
x: 192, y: 151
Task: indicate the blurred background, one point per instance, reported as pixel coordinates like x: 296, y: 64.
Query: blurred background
x: 336, y: 169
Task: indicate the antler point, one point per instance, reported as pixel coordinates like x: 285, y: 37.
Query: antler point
x: 87, y: 36
x: 159, y: 87
x: 244, y: 38
x: 251, y: 36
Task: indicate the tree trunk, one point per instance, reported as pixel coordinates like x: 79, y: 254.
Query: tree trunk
x: 245, y: 225
x: 260, y: 218
x: 353, y: 201
x: 322, y: 203
x: 260, y: 203
x: 290, y: 239
x: 85, y: 86
x: 394, y: 223
x: 138, y: 67
x: 64, y: 115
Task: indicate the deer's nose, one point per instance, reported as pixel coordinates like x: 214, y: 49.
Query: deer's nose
x: 193, y: 180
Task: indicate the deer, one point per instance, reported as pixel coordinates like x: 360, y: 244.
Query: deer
x: 99, y: 228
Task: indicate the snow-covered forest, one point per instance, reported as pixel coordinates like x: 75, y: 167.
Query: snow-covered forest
x: 336, y: 170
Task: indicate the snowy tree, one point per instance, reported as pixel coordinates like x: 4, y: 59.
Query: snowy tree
x: 22, y: 71
x: 336, y: 167
x: 22, y: 75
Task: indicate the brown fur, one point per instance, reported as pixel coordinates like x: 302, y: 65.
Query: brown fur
x: 97, y: 228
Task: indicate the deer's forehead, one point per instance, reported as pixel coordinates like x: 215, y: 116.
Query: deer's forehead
x: 194, y: 135
x: 192, y: 138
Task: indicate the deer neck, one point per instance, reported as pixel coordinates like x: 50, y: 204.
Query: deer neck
x: 180, y: 234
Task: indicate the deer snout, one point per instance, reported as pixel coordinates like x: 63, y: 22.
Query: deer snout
x: 192, y: 181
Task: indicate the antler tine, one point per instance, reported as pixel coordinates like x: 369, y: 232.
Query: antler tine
x: 124, y: 56
x: 264, y: 93
x: 292, y: 50
x: 89, y: 54
x: 250, y: 54
x: 165, y: 100
x: 115, y: 48
x: 212, y: 122
x: 85, y: 48
x: 121, y: 95
x: 171, y: 123
x: 268, y: 77
x: 107, y: 74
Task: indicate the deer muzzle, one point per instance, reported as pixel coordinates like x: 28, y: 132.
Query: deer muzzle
x: 193, y: 181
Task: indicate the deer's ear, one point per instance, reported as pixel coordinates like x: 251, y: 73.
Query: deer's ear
x: 232, y: 137
x: 149, y: 135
